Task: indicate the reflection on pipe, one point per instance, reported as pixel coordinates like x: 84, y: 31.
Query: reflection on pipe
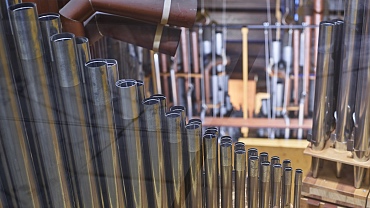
x: 362, y: 107
x: 240, y: 176
x: 211, y: 170
x: 153, y: 121
x: 40, y: 100
x: 99, y: 78
x: 253, y: 181
x: 226, y: 174
x: 297, y: 188
x: 79, y: 139
x: 194, y: 138
x: 276, y: 185
x: 265, y: 185
x: 130, y: 143
x: 14, y: 138
x: 175, y: 155
x: 324, y: 94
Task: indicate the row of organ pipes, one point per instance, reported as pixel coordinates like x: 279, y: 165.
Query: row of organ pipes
x: 78, y: 135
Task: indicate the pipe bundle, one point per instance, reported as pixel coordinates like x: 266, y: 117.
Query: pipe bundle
x: 342, y: 83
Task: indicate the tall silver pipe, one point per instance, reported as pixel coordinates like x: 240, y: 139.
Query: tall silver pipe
x: 76, y: 120
x: 83, y: 50
x: 287, y: 187
x: 14, y: 139
x: 286, y: 163
x: 297, y: 188
x: 276, y: 185
x: 174, y: 139
x: 3, y: 198
x: 29, y: 45
x: 99, y: 78
x: 239, y: 145
x: 50, y: 25
x: 264, y: 156
x: 153, y: 121
x: 8, y: 196
x: 226, y: 174
x: 194, y: 138
x: 324, y: 94
x: 353, y: 21
x: 130, y: 143
x: 264, y: 199
x: 253, y: 181
x: 362, y: 105
x: 240, y: 176
x: 211, y: 170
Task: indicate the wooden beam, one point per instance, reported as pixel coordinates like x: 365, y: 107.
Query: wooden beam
x: 278, y: 123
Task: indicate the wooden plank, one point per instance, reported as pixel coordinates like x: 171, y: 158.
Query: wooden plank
x: 278, y: 123
x: 312, y: 203
x: 331, y: 154
x: 329, y: 188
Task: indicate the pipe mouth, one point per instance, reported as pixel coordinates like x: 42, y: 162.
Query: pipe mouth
x: 288, y: 169
x: 239, y: 144
x: 159, y: 97
x: 209, y: 136
x: 300, y: 171
x: 22, y: 6
x: 126, y: 83
x: 81, y: 40
x: 139, y: 83
x: 212, y: 129
x: 150, y: 101
x: 264, y: 154
x: 111, y: 62
x: 192, y: 126
x: 62, y: 37
x: 177, y: 107
x: 195, y: 121
x: 48, y: 17
x: 95, y: 63
x: 240, y: 151
x: 265, y: 163
x: 226, y: 144
x: 172, y: 114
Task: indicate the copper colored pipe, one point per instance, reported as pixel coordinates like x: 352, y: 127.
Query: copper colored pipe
x: 195, y: 44
x: 182, y: 13
x: 307, y: 61
x: 132, y: 31
x: 296, y: 40
x: 166, y: 89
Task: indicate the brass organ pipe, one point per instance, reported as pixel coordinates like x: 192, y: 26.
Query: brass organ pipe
x: 31, y: 56
x: 130, y: 143
x: 153, y: 121
x: 297, y: 188
x: 253, y: 165
x: 287, y: 186
x: 240, y: 177
x: 15, y: 142
x: 226, y: 174
x: 194, y: 138
x: 174, y: 139
x: 211, y: 170
x: 276, y: 185
x: 79, y: 138
x: 264, y: 200
x: 99, y: 77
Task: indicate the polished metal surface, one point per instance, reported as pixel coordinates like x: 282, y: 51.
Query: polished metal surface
x: 175, y: 155
x: 264, y: 191
x: 76, y: 120
x: 194, y: 138
x: 287, y: 186
x: 14, y: 139
x: 211, y: 170
x: 297, y: 188
x: 99, y: 77
x: 253, y: 186
x: 29, y: 46
x: 276, y: 185
x: 226, y: 174
x: 130, y: 143
x: 240, y: 160
x: 153, y: 121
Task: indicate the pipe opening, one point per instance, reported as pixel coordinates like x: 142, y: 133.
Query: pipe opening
x: 62, y: 37
x: 208, y: 136
x: 22, y: 6
x: 240, y: 151
x: 288, y: 169
x: 177, y: 107
x: 150, y: 101
x: 48, y: 17
x: 299, y: 171
x: 123, y: 83
x: 192, y: 126
x: 266, y: 163
x: 172, y: 115
x: 95, y: 63
x: 111, y: 62
x: 139, y: 83
x: 81, y: 40
x: 227, y: 144
x: 159, y: 96
x: 195, y: 121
